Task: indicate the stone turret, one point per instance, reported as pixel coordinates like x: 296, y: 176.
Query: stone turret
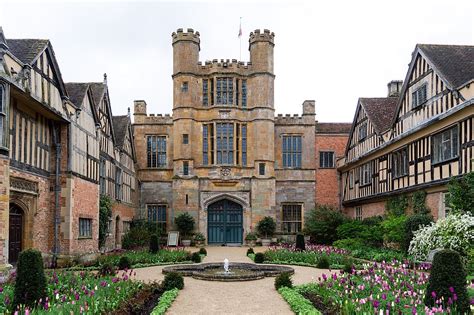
x: 186, y: 47
x: 261, y: 50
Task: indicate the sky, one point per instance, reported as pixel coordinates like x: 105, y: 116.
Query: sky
x: 331, y: 51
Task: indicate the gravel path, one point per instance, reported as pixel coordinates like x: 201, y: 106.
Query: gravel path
x: 213, y: 297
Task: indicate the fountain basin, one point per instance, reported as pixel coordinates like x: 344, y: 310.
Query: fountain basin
x: 237, y: 271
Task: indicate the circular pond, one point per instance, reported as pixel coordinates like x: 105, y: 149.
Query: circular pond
x: 237, y: 271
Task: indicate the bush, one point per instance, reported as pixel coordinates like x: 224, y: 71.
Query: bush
x: 393, y: 228
x: 154, y: 244
x: 172, y: 280
x: 447, y: 279
x: 323, y: 262
x: 412, y: 224
x: 396, y: 205
x: 419, y: 204
x: 199, y: 237
x: 322, y: 224
x: 266, y: 227
x: 461, y: 194
x: 30, y: 284
x: 203, y: 251
x: 124, y: 263
x: 196, y: 257
x: 250, y: 251
x: 283, y: 280
x: 139, y: 234
x: 107, y: 269
x: 259, y: 258
x: 455, y: 232
x: 298, y: 303
x: 300, y: 242
x: 251, y: 236
x: 348, y: 265
x: 185, y: 223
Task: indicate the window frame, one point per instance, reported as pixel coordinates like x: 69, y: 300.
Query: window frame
x: 185, y: 139
x: 298, y: 224
x: 366, y: 168
x: 4, y: 143
x: 161, y: 223
x: 87, y: 224
x: 291, y: 157
x: 118, y: 183
x: 321, y: 159
x: 358, y: 215
x: 159, y: 153
x: 405, y: 163
x: 454, y: 146
x: 419, y: 96
x: 184, y: 87
x: 185, y: 168
x: 363, y: 136
x: 261, y: 169
x: 351, y: 179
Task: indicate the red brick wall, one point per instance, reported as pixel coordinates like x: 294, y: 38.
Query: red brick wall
x: 124, y: 212
x: 327, y: 185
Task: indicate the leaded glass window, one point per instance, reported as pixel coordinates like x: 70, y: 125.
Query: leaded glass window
x: 225, y: 143
x: 244, y: 93
x: 291, y: 218
x: 156, y: 151
x: 157, y: 215
x: 445, y: 145
x: 292, y: 151
x: 225, y: 91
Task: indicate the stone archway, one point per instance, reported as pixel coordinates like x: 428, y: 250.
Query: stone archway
x: 225, y: 222
x: 16, y: 232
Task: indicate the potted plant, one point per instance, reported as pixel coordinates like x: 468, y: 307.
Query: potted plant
x: 199, y: 239
x: 266, y: 227
x: 251, y: 239
x: 185, y: 224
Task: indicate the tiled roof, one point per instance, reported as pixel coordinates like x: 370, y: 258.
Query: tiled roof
x: 380, y: 111
x: 120, y: 124
x: 26, y: 49
x: 98, y: 89
x: 454, y: 62
x: 333, y: 127
x: 76, y: 92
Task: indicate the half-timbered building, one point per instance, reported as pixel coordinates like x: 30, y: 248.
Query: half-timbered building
x: 417, y: 139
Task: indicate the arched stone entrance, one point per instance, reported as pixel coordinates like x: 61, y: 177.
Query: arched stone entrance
x: 225, y: 222
x: 15, y: 235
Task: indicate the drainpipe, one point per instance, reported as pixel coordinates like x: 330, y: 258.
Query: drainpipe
x: 57, y: 190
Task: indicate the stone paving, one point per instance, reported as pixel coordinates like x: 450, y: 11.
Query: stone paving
x: 212, y: 297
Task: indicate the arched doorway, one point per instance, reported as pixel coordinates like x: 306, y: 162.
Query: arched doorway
x: 117, y: 232
x: 15, y: 236
x: 224, y: 222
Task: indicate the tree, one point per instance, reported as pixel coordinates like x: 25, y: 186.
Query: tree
x: 105, y: 215
x: 185, y: 223
x: 461, y: 194
x: 322, y: 224
x: 266, y: 226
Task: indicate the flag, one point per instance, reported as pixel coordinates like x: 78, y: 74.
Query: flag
x: 240, y: 28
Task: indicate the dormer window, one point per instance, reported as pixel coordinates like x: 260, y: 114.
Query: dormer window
x: 419, y: 96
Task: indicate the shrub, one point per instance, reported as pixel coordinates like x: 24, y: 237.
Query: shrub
x: 322, y: 224
x: 250, y: 251
x: 283, y: 280
x: 418, y: 201
x: 185, y: 223
x: 251, y: 236
x: 266, y: 226
x: 203, y: 251
x: 412, y: 224
x: 259, y: 258
x: 349, y: 243
x: 298, y: 303
x: 107, y: 269
x: 323, y: 262
x: 199, y: 237
x: 396, y: 205
x: 139, y: 234
x: 300, y: 242
x: 393, y: 228
x: 124, y: 263
x: 172, y: 280
x: 461, y: 194
x: 348, y: 265
x: 448, y: 280
x: 196, y: 257
x: 30, y: 284
x: 350, y: 229
x: 455, y: 232
x: 154, y: 244
x: 105, y: 214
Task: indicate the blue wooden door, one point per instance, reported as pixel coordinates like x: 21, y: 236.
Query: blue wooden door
x: 224, y: 223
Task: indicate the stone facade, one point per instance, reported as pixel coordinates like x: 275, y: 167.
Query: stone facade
x: 197, y: 173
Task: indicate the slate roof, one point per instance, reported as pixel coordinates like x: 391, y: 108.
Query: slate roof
x: 333, y: 127
x: 454, y: 62
x: 26, y: 49
x: 380, y: 111
x: 76, y: 92
x: 98, y: 89
x: 120, y: 124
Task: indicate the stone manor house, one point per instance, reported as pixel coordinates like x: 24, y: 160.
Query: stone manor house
x: 224, y: 156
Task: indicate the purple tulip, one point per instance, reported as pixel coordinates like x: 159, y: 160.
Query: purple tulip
x: 451, y: 289
x: 433, y: 295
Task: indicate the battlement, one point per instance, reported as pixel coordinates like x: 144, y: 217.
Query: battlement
x: 165, y: 119
x: 141, y: 117
x: 258, y: 36
x: 288, y: 119
x: 190, y: 35
x: 224, y: 64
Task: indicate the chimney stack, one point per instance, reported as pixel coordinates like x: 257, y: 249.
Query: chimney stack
x: 394, y: 88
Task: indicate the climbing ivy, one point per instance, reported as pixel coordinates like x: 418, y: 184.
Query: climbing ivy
x: 396, y: 206
x: 461, y: 194
x: 418, y: 200
x: 105, y: 214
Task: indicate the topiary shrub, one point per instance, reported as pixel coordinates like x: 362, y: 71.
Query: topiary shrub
x: 283, y: 280
x: 185, y: 223
x: 154, y: 244
x: 300, y: 242
x: 107, y: 269
x: 203, y: 251
x: 322, y: 223
x: 30, y: 284
x: 323, y: 262
x: 266, y: 227
x: 447, y: 281
x: 259, y: 258
x: 250, y: 251
x: 412, y: 224
x: 124, y: 263
x: 172, y: 280
x: 196, y: 257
